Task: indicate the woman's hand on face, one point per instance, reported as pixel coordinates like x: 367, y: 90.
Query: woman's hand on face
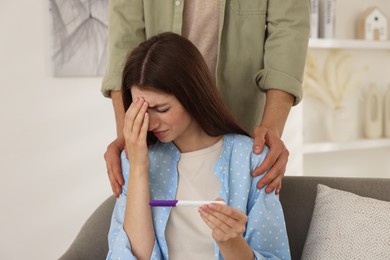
x: 227, y: 224
x: 135, y: 132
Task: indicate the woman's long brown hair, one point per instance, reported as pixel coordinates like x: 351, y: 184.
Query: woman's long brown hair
x: 170, y: 63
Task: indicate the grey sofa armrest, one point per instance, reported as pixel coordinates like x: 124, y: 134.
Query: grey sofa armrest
x: 91, y: 242
x: 298, y: 196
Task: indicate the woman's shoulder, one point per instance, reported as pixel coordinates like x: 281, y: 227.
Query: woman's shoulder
x: 242, y: 144
x: 240, y: 139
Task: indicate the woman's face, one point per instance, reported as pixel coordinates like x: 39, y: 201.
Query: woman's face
x: 168, y: 120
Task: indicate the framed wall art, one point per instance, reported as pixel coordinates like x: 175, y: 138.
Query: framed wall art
x: 79, y: 34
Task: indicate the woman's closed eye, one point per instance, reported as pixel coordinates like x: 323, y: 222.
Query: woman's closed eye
x: 162, y: 110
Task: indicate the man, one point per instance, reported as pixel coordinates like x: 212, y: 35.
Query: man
x: 255, y: 48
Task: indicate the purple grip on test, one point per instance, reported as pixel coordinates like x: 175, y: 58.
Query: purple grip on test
x: 163, y: 203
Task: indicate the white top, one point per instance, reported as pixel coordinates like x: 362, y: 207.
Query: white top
x: 186, y: 231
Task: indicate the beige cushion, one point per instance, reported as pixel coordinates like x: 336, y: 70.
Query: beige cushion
x: 348, y: 226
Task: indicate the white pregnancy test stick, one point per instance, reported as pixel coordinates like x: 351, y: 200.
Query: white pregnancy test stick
x: 183, y: 203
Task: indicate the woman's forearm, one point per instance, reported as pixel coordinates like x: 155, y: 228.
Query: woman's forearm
x: 138, y: 216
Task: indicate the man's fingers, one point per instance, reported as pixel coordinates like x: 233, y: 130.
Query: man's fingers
x: 268, y: 162
x: 113, y: 165
x: 267, y: 179
x: 273, y: 178
x: 277, y: 191
x: 115, y: 186
x: 276, y: 172
x: 117, y: 172
x: 115, y: 176
x: 259, y: 139
x: 275, y: 185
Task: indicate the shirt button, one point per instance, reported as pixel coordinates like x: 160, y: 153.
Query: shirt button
x: 177, y: 3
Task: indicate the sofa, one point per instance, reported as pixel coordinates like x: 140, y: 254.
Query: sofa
x: 297, y: 196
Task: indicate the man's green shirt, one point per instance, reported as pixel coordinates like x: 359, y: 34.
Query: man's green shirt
x: 262, y: 45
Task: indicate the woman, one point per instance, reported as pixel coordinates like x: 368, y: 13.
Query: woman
x: 183, y: 144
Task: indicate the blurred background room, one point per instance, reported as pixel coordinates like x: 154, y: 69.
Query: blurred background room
x: 56, y: 125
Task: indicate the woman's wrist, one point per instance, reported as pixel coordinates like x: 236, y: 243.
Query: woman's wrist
x: 235, y: 247
x: 140, y: 172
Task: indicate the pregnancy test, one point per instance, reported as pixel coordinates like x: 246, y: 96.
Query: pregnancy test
x: 183, y: 203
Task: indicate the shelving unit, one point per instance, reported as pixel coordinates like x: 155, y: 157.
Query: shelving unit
x: 314, y: 148
x: 348, y: 44
x: 359, y: 157
x: 362, y: 144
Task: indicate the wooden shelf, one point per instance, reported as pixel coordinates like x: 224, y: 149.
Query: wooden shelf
x: 348, y: 44
x: 313, y: 148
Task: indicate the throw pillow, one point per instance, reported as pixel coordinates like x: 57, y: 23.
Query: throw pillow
x: 347, y: 226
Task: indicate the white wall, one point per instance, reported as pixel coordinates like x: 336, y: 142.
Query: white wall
x: 293, y: 139
x: 53, y: 134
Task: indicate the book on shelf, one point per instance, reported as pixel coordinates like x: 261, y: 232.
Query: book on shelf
x: 327, y: 19
x: 314, y: 18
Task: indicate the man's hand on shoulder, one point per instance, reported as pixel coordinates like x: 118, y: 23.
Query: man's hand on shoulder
x: 113, y: 164
x: 275, y: 161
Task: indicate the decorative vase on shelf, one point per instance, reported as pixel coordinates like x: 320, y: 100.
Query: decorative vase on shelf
x: 372, y: 120
x: 340, y: 124
x: 386, y: 118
